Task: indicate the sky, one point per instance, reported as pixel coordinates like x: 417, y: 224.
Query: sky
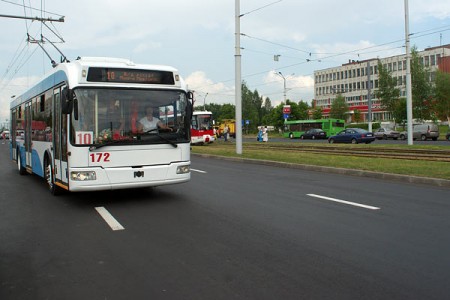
x: 291, y: 37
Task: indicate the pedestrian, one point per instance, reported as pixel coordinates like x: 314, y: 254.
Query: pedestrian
x: 259, y: 137
x: 265, y: 134
x: 225, y: 132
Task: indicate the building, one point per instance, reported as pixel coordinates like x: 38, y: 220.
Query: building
x: 351, y: 80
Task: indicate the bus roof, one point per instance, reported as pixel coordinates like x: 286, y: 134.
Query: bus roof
x: 75, y: 73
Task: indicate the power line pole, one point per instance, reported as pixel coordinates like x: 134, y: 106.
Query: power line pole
x: 238, y: 83
x: 284, y: 85
x: 369, y: 97
x: 409, y: 114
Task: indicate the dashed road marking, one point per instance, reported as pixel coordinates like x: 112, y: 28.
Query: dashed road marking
x: 112, y: 222
x: 344, y: 202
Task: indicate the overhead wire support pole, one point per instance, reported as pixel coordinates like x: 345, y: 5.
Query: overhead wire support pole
x: 204, y: 102
x: 238, y: 75
x: 34, y: 18
x: 369, y: 97
x: 409, y: 113
x: 238, y: 83
x: 284, y: 84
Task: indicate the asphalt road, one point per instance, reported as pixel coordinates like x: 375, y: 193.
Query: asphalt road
x: 235, y: 231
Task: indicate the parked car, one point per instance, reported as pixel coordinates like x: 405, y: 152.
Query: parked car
x: 422, y: 132
x: 313, y: 134
x: 352, y: 135
x: 386, y: 133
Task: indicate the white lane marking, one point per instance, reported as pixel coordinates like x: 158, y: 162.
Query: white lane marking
x: 199, y: 171
x: 112, y: 222
x: 343, y: 201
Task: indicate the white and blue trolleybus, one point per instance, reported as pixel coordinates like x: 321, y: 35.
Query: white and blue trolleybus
x: 81, y: 127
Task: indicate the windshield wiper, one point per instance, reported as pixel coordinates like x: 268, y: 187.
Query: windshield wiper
x: 97, y: 146
x: 167, y: 140
x: 156, y: 133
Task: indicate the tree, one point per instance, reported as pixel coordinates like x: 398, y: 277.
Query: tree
x: 251, y: 106
x: 442, y: 95
x: 317, y: 113
x: 357, y: 115
x: 421, y: 88
x: 387, y: 91
x: 266, y: 111
x: 227, y: 111
x: 339, y: 108
x: 275, y: 117
x: 399, y: 114
x: 303, y: 108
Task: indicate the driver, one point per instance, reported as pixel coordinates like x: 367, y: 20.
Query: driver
x: 149, y: 122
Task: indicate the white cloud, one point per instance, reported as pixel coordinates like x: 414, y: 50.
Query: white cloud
x: 10, y: 90
x: 203, y: 87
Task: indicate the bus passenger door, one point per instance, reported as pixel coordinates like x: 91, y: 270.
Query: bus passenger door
x: 59, y: 141
x: 27, y: 135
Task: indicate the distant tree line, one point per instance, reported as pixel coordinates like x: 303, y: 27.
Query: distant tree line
x: 259, y: 111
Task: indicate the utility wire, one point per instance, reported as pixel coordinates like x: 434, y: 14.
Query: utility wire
x: 355, y: 51
x: 32, y: 8
x: 259, y: 8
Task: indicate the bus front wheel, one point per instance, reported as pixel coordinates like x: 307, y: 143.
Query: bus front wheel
x: 49, y: 178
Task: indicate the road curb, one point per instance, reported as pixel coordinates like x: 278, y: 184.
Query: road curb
x: 379, y: 175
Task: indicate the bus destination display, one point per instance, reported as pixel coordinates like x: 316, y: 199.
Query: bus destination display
x: 129, y: 76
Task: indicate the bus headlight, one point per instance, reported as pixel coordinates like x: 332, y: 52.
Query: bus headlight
x: 83, y: 175
x: 183, y: 169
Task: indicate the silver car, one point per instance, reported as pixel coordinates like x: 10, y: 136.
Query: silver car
x: 423, y: 132
x: 386, y: 133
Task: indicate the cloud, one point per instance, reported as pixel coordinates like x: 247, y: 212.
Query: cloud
x: 203, y: 87
x: 10, y: 90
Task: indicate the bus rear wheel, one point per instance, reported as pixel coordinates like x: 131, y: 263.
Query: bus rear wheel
x: 49, y: 178
x: 22, y: 170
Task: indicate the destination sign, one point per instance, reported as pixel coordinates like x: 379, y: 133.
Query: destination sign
x: 96, y: 74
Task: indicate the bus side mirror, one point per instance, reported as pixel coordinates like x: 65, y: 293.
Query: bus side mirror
x: 66, y: 101
x: 189, y: 107
x: 75, y: 109
x: 188, y: 118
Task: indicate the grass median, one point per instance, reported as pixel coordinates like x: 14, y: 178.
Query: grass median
x: 431, y: 169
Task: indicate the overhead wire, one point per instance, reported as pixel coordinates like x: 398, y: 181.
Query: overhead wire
x: 22, y: 56
x: 355, y: 51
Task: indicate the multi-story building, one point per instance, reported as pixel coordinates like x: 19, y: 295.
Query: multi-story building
x: 352, y: 78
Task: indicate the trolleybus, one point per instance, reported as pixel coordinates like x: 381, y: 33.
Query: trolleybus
x: 202, y: 130
x: 78, y: 127
x: 295, y: 128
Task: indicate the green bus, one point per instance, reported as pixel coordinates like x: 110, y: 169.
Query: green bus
x: 295, y: 128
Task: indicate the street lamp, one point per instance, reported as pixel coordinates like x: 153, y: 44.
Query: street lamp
x: 204, y: 102
x: 284, y: 84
